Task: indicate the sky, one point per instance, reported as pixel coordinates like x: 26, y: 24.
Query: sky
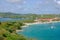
x: 30, y: 6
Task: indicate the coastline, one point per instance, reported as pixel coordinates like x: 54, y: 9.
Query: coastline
x: 27, y: 24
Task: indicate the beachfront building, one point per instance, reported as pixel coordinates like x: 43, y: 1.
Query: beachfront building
x: 56, y: 19
x: 47, y: 19
x: 43, y: 20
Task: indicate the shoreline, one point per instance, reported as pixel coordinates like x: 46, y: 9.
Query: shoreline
x: 27, y: 24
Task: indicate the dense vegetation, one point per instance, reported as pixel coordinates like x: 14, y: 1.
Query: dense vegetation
x: 8, y: 31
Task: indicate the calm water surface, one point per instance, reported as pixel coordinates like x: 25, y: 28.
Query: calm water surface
x: 42, y: 31
x: 10, y: 19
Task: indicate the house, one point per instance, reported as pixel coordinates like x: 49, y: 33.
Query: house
x: 44, y: 19
x: 56, y: 19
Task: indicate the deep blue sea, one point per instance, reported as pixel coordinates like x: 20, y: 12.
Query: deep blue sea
x: 49, y: 31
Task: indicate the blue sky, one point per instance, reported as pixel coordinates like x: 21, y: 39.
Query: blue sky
x: 30, y: 6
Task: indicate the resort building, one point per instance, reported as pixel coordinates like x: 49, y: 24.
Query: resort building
x: 47, y: 19
x: 56, y: 19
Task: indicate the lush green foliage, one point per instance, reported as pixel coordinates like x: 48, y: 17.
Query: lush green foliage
x: 8, y: 31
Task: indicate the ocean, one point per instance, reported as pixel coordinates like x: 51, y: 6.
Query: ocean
x: 49, y: 31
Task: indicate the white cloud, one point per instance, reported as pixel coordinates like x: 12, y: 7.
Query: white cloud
x: 47, y: 2
x: 42, y: 2
x: 24, y: 9
x: 55, y: 0
x: 39, y: 2
x: 58, y: 2
x: 24, y: 2
x: 19, y: 7
x: 14, y: 1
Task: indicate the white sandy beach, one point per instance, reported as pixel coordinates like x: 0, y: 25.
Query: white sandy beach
x: 18, y: 31
x: 27, y: 24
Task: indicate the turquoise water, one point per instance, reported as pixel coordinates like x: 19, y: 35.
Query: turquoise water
x: 42, y: 31
x: 10, y: 19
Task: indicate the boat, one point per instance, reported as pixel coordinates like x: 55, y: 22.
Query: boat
x: 52, y: 27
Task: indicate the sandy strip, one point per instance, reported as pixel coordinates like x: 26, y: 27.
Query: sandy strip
x: 27, y: 24
x: 18, y: 31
